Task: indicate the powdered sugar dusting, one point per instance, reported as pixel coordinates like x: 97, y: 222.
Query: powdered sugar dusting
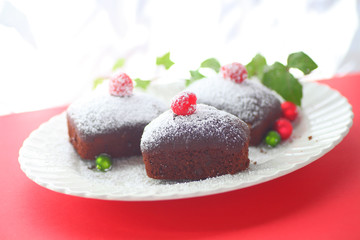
x: 48, y: 158
x: 206, y: 126
x: 60, y: 164
x: 250, y: 100
x: 191, y: 109
x: 102, y: 112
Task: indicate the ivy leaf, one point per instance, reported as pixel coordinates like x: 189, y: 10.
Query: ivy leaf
x: 98, y: 81
x: 278, y: 78
x: 119, y: 64
x: 165, y: 60
x: 195, y: 75
x: 302, y: 62
x: 211, y: 63
x: 256, y: 66
x: 142, y: 83
x: 188, y: 82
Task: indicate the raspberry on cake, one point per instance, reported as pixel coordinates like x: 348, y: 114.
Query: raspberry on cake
x: 206, y: 143
x: 235, y: 72
x: 103, y: 123
x: 249, y: 100
x: 120, y: 84
x: 184, y: 103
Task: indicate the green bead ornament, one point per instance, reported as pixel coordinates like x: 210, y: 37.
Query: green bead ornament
x: 103, y: 162
x: 272, y: 138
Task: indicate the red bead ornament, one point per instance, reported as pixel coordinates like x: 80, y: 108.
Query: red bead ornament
x: 235, y: 72
x: 289, y: 110
x: 283, y: 127
x: 184, y: 103
x: 121, y: 85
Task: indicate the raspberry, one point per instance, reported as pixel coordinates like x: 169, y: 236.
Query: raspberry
x: 121, y: 85
x: 235, y: 72
x: 283, y: 127
x: 184, y: 103
x: 289, y: 110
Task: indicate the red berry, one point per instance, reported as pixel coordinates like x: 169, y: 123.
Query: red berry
x: 184, y: 103
x: 289, y: 110
x: 283, y: 127
x: 121, y: 85
x: 235, y: 72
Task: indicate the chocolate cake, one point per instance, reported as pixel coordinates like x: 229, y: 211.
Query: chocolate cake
x: 249, y: 100
x: 103, y: 123
x: 206, y: 143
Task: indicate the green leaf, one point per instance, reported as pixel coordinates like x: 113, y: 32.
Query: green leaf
x: 196, y: 75
x: 188, y: 82
x: 98, y: 81
x: 256, y: 66
x: 142, y: 83
x: 211, y: 63
x: 284, y: 83
x: 302, y: 62
x: 119, y: 64
x: 165, y: 60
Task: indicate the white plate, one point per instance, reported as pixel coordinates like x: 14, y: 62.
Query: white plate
x: 48, y: 159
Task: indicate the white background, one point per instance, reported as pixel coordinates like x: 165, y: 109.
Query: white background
x: 51, y: 51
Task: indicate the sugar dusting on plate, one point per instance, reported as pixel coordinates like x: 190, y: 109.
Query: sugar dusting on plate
x: 128, y: 175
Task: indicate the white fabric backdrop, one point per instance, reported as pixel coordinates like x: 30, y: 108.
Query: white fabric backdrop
x: 51, y: 51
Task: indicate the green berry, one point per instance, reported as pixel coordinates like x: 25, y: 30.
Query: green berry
x: 272, y: 138
x: 103, y: 162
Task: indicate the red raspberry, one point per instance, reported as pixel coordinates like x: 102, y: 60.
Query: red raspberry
x: 121, y: 85
x: 289, y: 110
x: 184, y: 103
x: 283, y: 127
x: 235, y: 72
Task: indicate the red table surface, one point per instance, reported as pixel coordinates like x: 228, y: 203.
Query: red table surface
x: 319, y: 201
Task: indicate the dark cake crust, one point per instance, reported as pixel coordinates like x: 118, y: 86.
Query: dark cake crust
x: 196, y: 164
x: 208, y: 143
x: 258, y: 132
x: 123, y: 142
x: 250, y: 101
x: 102, y: 123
